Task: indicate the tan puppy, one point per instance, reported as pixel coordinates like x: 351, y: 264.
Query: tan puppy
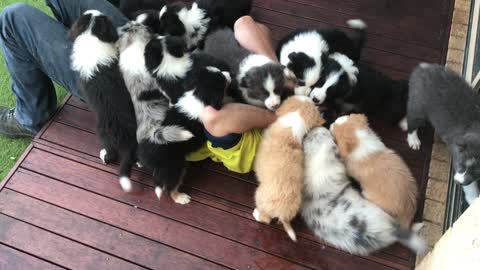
x: 279, y: 162
x: 383, y: 175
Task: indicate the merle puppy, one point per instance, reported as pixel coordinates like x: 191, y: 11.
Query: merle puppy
x: 150, y: 106
x: 190, y: 82
x: 260, y: 81
x: 442, y: 98
x: 95, y: 59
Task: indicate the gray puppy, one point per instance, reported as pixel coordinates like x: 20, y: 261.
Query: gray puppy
x: 441, y: 97
x: 261, y: 81
x: 149, y: 103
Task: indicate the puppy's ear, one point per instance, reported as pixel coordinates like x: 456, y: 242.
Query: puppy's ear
x: 153, y: 54
x: 81, y: 25
x: 344, y: 146
x: 176, y: 46
x: 104, y: 30
x: 362, y: 118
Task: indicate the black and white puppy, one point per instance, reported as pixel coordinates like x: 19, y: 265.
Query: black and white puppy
x: 304, y: 51
x: 95, y: 59
x: 150, y: 112
x: 260, y: 81
x: 359, y: 88
x: 193, y: 21
x: 133, y: 8
x: 442, y: 98
x: 190, y: 82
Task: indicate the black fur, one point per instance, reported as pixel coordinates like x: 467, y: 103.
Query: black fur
x: 167, y: 161
x: 224, y: 13
x: 132, y: 8
x: 107, y: 95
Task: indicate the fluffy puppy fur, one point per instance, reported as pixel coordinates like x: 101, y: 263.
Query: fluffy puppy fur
x: 383, y: 175
x: 359, y: 88
x: 193, y: 21
x: 336, y: 212
x: 279, y: 162
x: 150, y: 111
x: 442, y: 98
x: 304, y: 51
x: 190, y: 82
x: 95, y: 59
x: 260, y: 81
x: 133, y: 8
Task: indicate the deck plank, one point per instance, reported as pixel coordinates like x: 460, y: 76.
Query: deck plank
x: 14, y: 259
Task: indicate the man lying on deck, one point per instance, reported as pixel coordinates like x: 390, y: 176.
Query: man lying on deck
x: 37, y: 52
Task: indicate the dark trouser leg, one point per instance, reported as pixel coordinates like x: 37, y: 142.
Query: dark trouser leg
x: 67, y: 11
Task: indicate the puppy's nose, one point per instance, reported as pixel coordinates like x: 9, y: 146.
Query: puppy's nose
x: 315, y: 100
x: 275, y: 107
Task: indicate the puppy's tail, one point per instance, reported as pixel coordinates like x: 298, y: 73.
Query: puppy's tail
x: 359, y: 36
x: 411, y: 238
x: 168, y: 134
x: 288, y: 228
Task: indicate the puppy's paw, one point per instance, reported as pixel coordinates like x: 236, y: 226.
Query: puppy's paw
x: 227, y: 76
x: 403, y: 124
x: 413, y: 141
x: 126, y: 184
x: 139, y: 165
x: 158, y: 192
x: 103, y: 154
x: 180, y: 198
x: 256, y: 214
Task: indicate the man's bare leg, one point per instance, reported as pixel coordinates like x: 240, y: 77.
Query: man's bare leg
x: 235, y: 118
x: 254, y: 36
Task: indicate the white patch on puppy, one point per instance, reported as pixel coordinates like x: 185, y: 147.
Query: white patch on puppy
x: 347, y: 65
x: 141, y: 18
x: 253, y: 60
x: 357, y: 24
x: 320, y: 94
x: 195, y: 22
x: 368, y: 143
x: 294, y: 121
x: 460, y: 177
x: 180, y: 198
x: 126, y: 184
x: 413, y: 140
x: 190, y: 105
x: 303, y: 91
x: 93, y: 12
x: 172, y: 67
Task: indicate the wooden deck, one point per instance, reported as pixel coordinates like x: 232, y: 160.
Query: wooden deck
x: 61, y: 208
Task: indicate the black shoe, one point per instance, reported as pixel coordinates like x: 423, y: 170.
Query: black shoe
x: 10, y: 127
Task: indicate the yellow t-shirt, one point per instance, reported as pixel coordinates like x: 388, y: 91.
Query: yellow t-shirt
x: 238, y: 158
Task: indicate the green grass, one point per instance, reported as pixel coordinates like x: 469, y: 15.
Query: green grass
x: 12, y: 149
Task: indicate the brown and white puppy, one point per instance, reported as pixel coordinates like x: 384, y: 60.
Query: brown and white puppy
x: 280, y: 163
x: 383, y: 175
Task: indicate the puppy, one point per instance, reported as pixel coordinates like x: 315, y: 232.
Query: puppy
x: 442, y: 98
x: 133, y: 8
x: 336, y: 212
x: 279, y: 162
x: 383, y: 175
x: 260, y: 81
x: 95, y: 59
x: 359, y: 88
x: 304, y: 51
x: 190, y: 82
x: 150, y: 105
x: 194, y: 21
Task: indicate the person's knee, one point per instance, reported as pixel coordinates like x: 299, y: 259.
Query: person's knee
x: 243, y: 22
x: 17, y: 10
